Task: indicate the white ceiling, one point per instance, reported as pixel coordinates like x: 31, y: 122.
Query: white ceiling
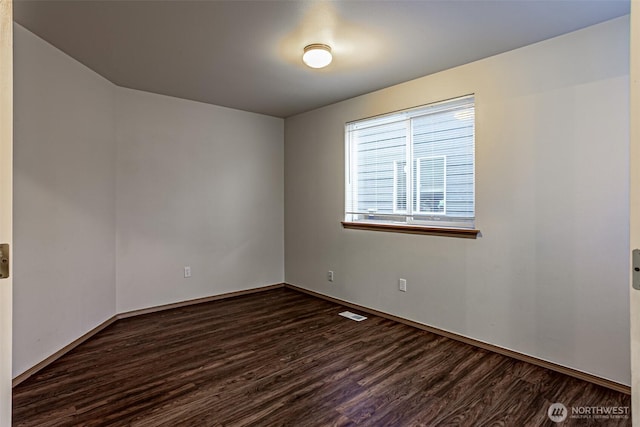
x: 247, y: 54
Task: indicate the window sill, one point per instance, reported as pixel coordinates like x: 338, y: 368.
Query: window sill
x: 413, y: 229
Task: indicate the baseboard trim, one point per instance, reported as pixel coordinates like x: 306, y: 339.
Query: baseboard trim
x: 490, y: 347
x: 197, y: 301
x: 66, y: 349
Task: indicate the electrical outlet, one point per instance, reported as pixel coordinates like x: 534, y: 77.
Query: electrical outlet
x: 402, y: 285
x: 330, y: 276
x: 187, y: 271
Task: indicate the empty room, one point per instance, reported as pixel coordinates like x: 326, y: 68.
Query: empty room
x: 318, y: 213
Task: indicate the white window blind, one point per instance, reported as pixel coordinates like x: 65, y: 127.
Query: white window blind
x: 415, y: 166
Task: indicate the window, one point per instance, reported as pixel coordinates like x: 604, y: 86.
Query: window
x: 414, y: 167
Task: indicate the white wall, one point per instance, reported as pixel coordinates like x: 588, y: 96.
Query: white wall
x: 196, y: 185
x: 6, y: 203
x: 200, y: 186
x: 634, y: 195
x: 549, y: 275
x: 64, y: 200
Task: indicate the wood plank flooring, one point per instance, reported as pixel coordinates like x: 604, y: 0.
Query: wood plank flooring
x: 283, y: 358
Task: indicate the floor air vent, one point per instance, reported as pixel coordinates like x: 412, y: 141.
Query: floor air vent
x: 352, y: 316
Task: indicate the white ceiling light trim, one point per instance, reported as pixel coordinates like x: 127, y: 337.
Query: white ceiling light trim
x: 317, y: 55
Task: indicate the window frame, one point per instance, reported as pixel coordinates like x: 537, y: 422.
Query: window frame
x: 411, y: 219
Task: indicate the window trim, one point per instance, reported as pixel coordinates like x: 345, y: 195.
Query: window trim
x: 465, y: 233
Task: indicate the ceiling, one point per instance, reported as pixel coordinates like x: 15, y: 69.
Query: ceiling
x: 247, y: 54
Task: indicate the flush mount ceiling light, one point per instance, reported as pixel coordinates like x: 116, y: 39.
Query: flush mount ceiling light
x: 317, y: 55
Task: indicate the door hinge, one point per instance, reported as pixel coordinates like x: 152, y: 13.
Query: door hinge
x: 635, y: 269
x: 4, y: 261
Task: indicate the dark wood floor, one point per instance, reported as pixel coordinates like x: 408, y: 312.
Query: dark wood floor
x: 284, y: 358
